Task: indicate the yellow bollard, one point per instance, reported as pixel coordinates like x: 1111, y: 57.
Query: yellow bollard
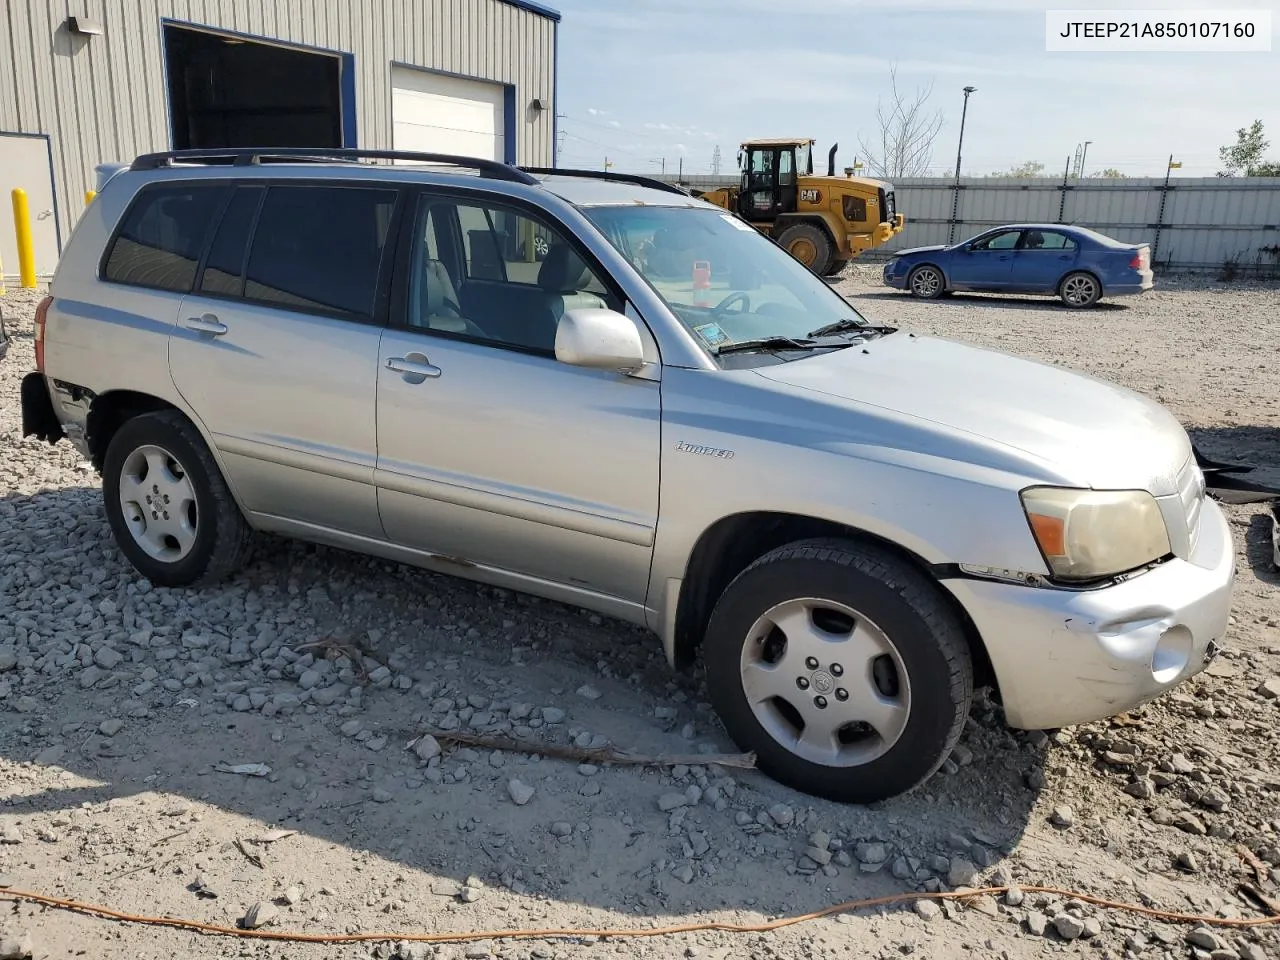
x: 88, y: 196
x: 26, y: 248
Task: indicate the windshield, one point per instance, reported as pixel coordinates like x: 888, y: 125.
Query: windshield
x: 725, y: 281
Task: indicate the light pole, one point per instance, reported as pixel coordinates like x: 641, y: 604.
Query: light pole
x: 1084, y: 153
x: 955, y: 192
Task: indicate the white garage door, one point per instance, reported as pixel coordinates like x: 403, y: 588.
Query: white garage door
x: 440, y: 114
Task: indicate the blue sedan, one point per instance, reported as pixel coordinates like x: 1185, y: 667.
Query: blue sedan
x: 1078, y: 265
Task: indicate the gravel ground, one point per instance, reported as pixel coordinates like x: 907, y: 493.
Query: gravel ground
x: 119, y: 703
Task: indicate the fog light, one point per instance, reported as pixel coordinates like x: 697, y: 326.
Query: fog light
x: 1172, y: 654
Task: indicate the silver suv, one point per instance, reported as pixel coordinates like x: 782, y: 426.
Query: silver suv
x: 601, y: 390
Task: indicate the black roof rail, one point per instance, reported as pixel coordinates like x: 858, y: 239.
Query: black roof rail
x: 635, y: 178
x: 247, y: 157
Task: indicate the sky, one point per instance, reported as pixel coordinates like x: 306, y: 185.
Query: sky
x: 650, y: 82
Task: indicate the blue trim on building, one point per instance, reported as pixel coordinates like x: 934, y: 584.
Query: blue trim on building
x: 346, y: 72
x: 540, y: 9
x: 347, y: 94
x: 53, y: 181
x: 509, y: 123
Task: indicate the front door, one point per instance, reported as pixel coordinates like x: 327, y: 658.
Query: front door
x: 1042, y: 259
x: 985, y: 263
x: 759, y: 198
x: 276, y: 349
x: 490, y: 451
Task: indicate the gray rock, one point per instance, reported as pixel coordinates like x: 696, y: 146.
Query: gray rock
x: 1142, y: 788
x: 561, y: 829
x: 1037, y: 923
x: 1014, y: 896
x: 10, y: 835
x: 110, y: 727
x: 520, y: 793
x: 589, y: 789
x: 1188, y: 822
x: 1186, y: 860
x: 902, y: 869
x: 683, y: 873
x: 107, y: 658
x: 260, y: 914
x: 672, y: 801
x: 351, y: 728
x: 50, y: 755
x: 17, y: 948
x: 89, y: 676
x: 381, y: 796
x: 8, y: 658
x: 427, y: 748
x: 241, y: 704
x: 1251, y: 951
x: 588, y: 692
x: 1062, y: 816
x: 820, y: 839
x: 1270, y: 688
x: 1069, y: 926
x: 1204, y: 938
x: 291, y: 896
x: 309, y: 679
x: 818, y: 855
x: 782, y: 814
x: 927, y: 909
x: 871, y: 852
x: 961, y: 873
x: 327, y: 696
x: 552, y: 715
x: 702, y: 846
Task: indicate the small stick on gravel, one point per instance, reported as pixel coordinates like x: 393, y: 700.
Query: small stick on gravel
x: 1259, y: 868
x: 1257, y: 896
x: 335, y: 647
x: 742, y: 761
x: 249, y: 854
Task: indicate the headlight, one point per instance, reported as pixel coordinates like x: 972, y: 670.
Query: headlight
x: 891, y: 267
x: 1087, y: 534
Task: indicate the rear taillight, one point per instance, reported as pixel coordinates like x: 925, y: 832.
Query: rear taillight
x: 1136, y: 262
x: 41, y: 312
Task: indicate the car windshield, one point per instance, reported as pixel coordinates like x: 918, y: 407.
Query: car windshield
x: 725, y: 281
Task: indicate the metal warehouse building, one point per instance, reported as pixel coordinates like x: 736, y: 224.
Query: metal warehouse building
x: 84, y: 82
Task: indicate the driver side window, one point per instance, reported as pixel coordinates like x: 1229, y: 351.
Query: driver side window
x: 496, y: 275
x: 1000, y: 241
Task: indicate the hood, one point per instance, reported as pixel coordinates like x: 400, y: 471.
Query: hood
x: 915, y: 250
x: 1093, y: 432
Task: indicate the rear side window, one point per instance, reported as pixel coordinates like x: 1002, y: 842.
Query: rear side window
x: 224, y: 268
x: 320, y: 248
x: 162, y: 235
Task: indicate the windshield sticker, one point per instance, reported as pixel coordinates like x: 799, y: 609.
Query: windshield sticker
x: 711, y: 334
x: 734, y: 221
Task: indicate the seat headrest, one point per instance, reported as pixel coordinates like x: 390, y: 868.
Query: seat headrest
x: 562, y: 270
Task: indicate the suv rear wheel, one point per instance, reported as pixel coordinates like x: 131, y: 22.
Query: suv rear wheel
x: 841, y: 667
x: 168, y: 505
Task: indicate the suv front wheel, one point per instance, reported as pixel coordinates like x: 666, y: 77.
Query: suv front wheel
x: 168, y: 504
x: 841, y: 667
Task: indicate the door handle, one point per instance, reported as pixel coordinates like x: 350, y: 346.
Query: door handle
x: 414, y: 366
x: 207, y: 323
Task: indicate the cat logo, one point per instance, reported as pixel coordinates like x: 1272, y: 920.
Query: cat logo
x: 810, y: 195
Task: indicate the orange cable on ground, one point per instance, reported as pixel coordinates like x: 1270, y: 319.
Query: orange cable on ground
x: 559, y: 933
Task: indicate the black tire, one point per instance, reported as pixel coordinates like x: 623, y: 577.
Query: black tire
x: 893, y: 596
x: 222, y: 537
x: 835, y: 267
x: 808, y: 237
x: 927, y: 282
x: 1080, y: 290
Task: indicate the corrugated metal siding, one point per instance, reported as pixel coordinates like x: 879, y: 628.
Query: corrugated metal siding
x: 103, y: 98
x: 1206, y: 222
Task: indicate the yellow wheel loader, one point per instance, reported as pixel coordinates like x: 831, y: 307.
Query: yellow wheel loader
x: 824, y: 222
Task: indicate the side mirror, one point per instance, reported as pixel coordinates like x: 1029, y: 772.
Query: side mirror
x: 599, y: 339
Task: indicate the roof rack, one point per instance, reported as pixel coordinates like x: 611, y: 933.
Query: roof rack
x: 244, y: 157
x: 649, y: 182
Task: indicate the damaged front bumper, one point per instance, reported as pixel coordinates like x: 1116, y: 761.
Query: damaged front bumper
x: 1063, y: 657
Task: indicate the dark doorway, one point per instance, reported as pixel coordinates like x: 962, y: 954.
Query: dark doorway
x: 229, y: 92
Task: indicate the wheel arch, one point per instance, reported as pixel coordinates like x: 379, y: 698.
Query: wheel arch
x: 734, y: 542
x: 1102, y: 287
x: 111, y: 410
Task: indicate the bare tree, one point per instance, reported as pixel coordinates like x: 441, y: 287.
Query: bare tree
x: 907, y: 131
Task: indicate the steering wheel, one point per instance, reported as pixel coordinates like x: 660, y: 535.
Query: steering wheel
x: 723, y: 305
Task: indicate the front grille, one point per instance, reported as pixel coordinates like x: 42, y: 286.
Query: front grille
x: 1191, y: 493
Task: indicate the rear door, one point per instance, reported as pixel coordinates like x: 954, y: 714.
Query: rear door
x: 276, y: 349
x: 986, y: 263
x: 1042, y: 259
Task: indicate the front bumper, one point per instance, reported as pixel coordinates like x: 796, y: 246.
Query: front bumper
x: 1063, y: 657
x: 894, y: 275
